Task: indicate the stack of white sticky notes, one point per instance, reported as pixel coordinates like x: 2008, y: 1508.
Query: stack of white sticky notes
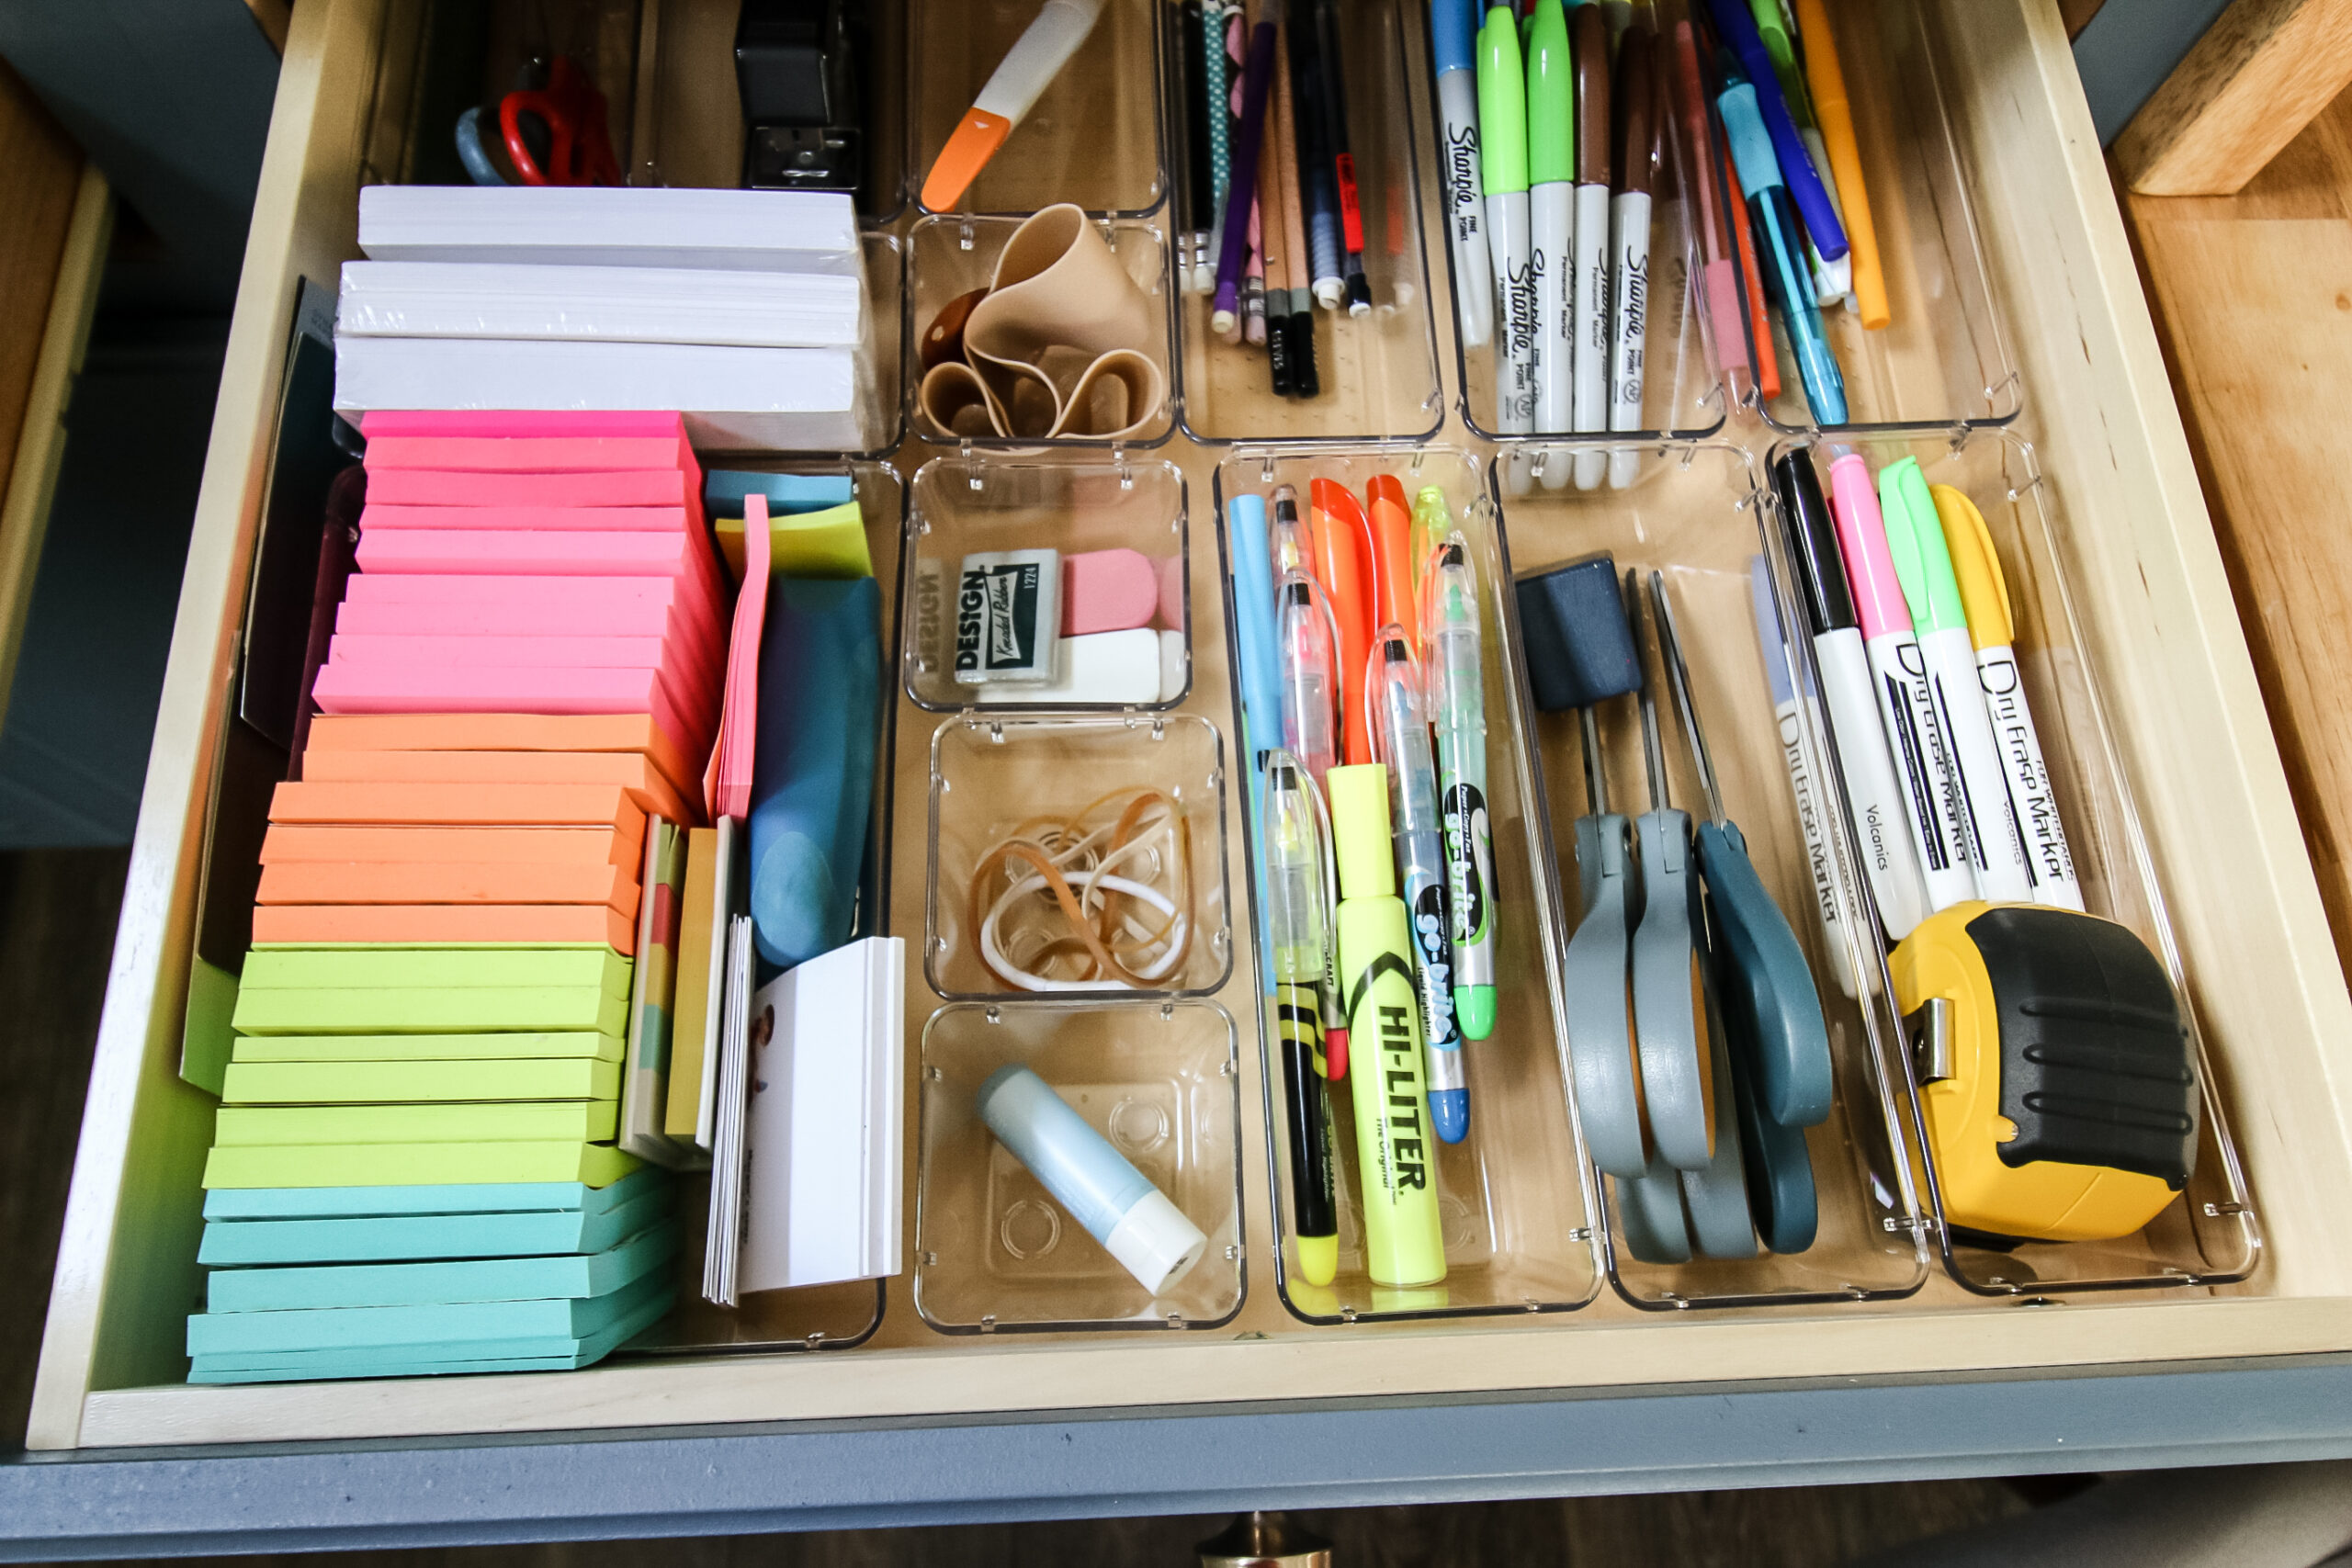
x: 745, y: 310
x: 805, y: 1183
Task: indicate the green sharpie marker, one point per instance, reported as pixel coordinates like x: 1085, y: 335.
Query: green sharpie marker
x: 1396, y: 1146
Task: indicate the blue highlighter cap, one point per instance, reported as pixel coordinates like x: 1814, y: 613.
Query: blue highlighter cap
x: 1450, y: 1114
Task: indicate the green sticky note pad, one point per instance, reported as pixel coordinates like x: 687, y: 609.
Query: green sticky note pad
x: 404, y: 1083
x: 382, y: 1049
x: 828, y: 544
x: 425, y: 1009
x: 376, y: 968
x: 580, y: 1121
x: 433, y: 1284
x: 409, y: 1165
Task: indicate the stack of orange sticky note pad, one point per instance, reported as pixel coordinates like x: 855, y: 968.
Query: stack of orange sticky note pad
x: 525, y: 668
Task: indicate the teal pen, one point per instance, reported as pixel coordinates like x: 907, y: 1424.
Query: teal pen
x: 1458, y: 701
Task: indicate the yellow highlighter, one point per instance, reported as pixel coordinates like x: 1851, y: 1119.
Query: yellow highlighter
x: 1837, y: 120
x: 1395, y: 1144
x: 1985, y: 599
x: 2057, y: 1086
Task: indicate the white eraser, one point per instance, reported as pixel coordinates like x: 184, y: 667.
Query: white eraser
x: 1109, y: 669
x: 1175, y: 673
x: 1008, y: 617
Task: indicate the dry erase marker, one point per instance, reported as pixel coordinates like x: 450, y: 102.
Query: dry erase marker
x: 1873, y: 795
x: 1502, y: 167
x: 1396, y: 1152
x: 1915, y: 538
x: 1913, y: 734
x: 1789, y: 710
x: 1592, y: 290
x: 1641, y: 120
x: 1551, y: 204
x: 1984, y: 595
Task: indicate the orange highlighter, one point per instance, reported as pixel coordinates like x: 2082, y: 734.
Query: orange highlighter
x: 1021, y: 77
x: 1391, y: 559
x: 1345, y: 560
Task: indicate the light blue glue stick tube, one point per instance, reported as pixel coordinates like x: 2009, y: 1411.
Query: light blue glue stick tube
x: 1117, y: 1203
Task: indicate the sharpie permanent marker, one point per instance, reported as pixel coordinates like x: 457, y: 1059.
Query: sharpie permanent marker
x: 1591, y: 412
x: 1502, y: 168
x: 1454, y: 48
x: 1395, y: 1150
x: 1551, y: 204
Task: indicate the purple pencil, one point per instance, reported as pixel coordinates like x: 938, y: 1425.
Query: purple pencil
x: 1225, y: 311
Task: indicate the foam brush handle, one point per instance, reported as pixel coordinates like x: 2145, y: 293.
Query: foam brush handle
x: 1038, y: 56
x: 1767, y: 982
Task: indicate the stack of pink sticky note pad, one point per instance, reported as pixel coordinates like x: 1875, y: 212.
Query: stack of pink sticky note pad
x: 533, y: 563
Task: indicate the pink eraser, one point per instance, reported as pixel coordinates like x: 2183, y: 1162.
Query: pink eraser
x: 1171, y: 571
x: 526, y: 519
x: 442, y: 487
x: 1107, y: 591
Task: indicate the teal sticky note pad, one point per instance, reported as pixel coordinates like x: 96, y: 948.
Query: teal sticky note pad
x: 535, y: 1355
x: 723, y: 491
x: 416, y: 1237
x: 424, y: 1327
x: 478, y: 1197
x: 441, y: 1283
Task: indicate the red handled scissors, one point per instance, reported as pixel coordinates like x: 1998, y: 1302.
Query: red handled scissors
x: 580, y: 148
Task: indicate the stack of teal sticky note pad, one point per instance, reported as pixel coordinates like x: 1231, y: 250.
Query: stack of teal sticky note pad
x: 412, y: 1169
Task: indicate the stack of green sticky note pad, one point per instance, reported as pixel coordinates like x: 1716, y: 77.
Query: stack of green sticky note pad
x: 414, y: 1170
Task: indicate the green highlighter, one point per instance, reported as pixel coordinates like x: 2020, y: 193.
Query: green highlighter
x: 1396, y: 1145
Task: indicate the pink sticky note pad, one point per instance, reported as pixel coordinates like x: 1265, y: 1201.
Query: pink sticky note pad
x: 521, y: 422
x: 693, y: 682
x: 1107, y: 591
x: 540, y: 552
x: 1170, y: 572
x: 437, y: 487
x: 458, y: 688
x: 527, y: 519
x: 531, y: 454
x: 535, y: 618
x: 583, y: 599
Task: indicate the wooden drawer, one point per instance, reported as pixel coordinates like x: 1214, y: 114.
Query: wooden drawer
x: 2155, y: 615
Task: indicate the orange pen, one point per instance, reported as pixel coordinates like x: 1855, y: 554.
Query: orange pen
x: 1768, y: 365
x: 1345, y: 560
x: 1391, y: 559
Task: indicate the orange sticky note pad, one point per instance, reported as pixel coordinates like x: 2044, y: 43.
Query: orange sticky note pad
x: 456, y: 805
x: 510, y: 732
x: 292, y: 841
x: 421, y: 924
x: 441, y: 882
x: 643, y: 782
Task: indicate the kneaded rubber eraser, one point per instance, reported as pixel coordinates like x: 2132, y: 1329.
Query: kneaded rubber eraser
x: 1106, y: 669
x: 1107, y: 591
x: 1171, y: 593
x: 1579, y: 646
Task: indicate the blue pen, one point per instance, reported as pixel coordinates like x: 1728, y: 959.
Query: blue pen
x: 1261, y: 702
x: 1737, y: 25
x: 1781, y: 252
x: 1400, y: 728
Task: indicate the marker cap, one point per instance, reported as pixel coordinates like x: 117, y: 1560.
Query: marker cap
x: 1916, y: 539
x: 1813, y: 540
x: 1359, y: 826
x: 1502, y: 105
x: 1591, y: 31
x: 1638, y: 110
x: 1453, y: 34
x: 1551, y: 97
x: 1861, y: 535
x: 1751, y: 144
x: 1984, y: 592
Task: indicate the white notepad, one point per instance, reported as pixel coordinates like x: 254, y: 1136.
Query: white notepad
x: 751, y: 231
x: 600, y: 304
x: 775, y: 399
